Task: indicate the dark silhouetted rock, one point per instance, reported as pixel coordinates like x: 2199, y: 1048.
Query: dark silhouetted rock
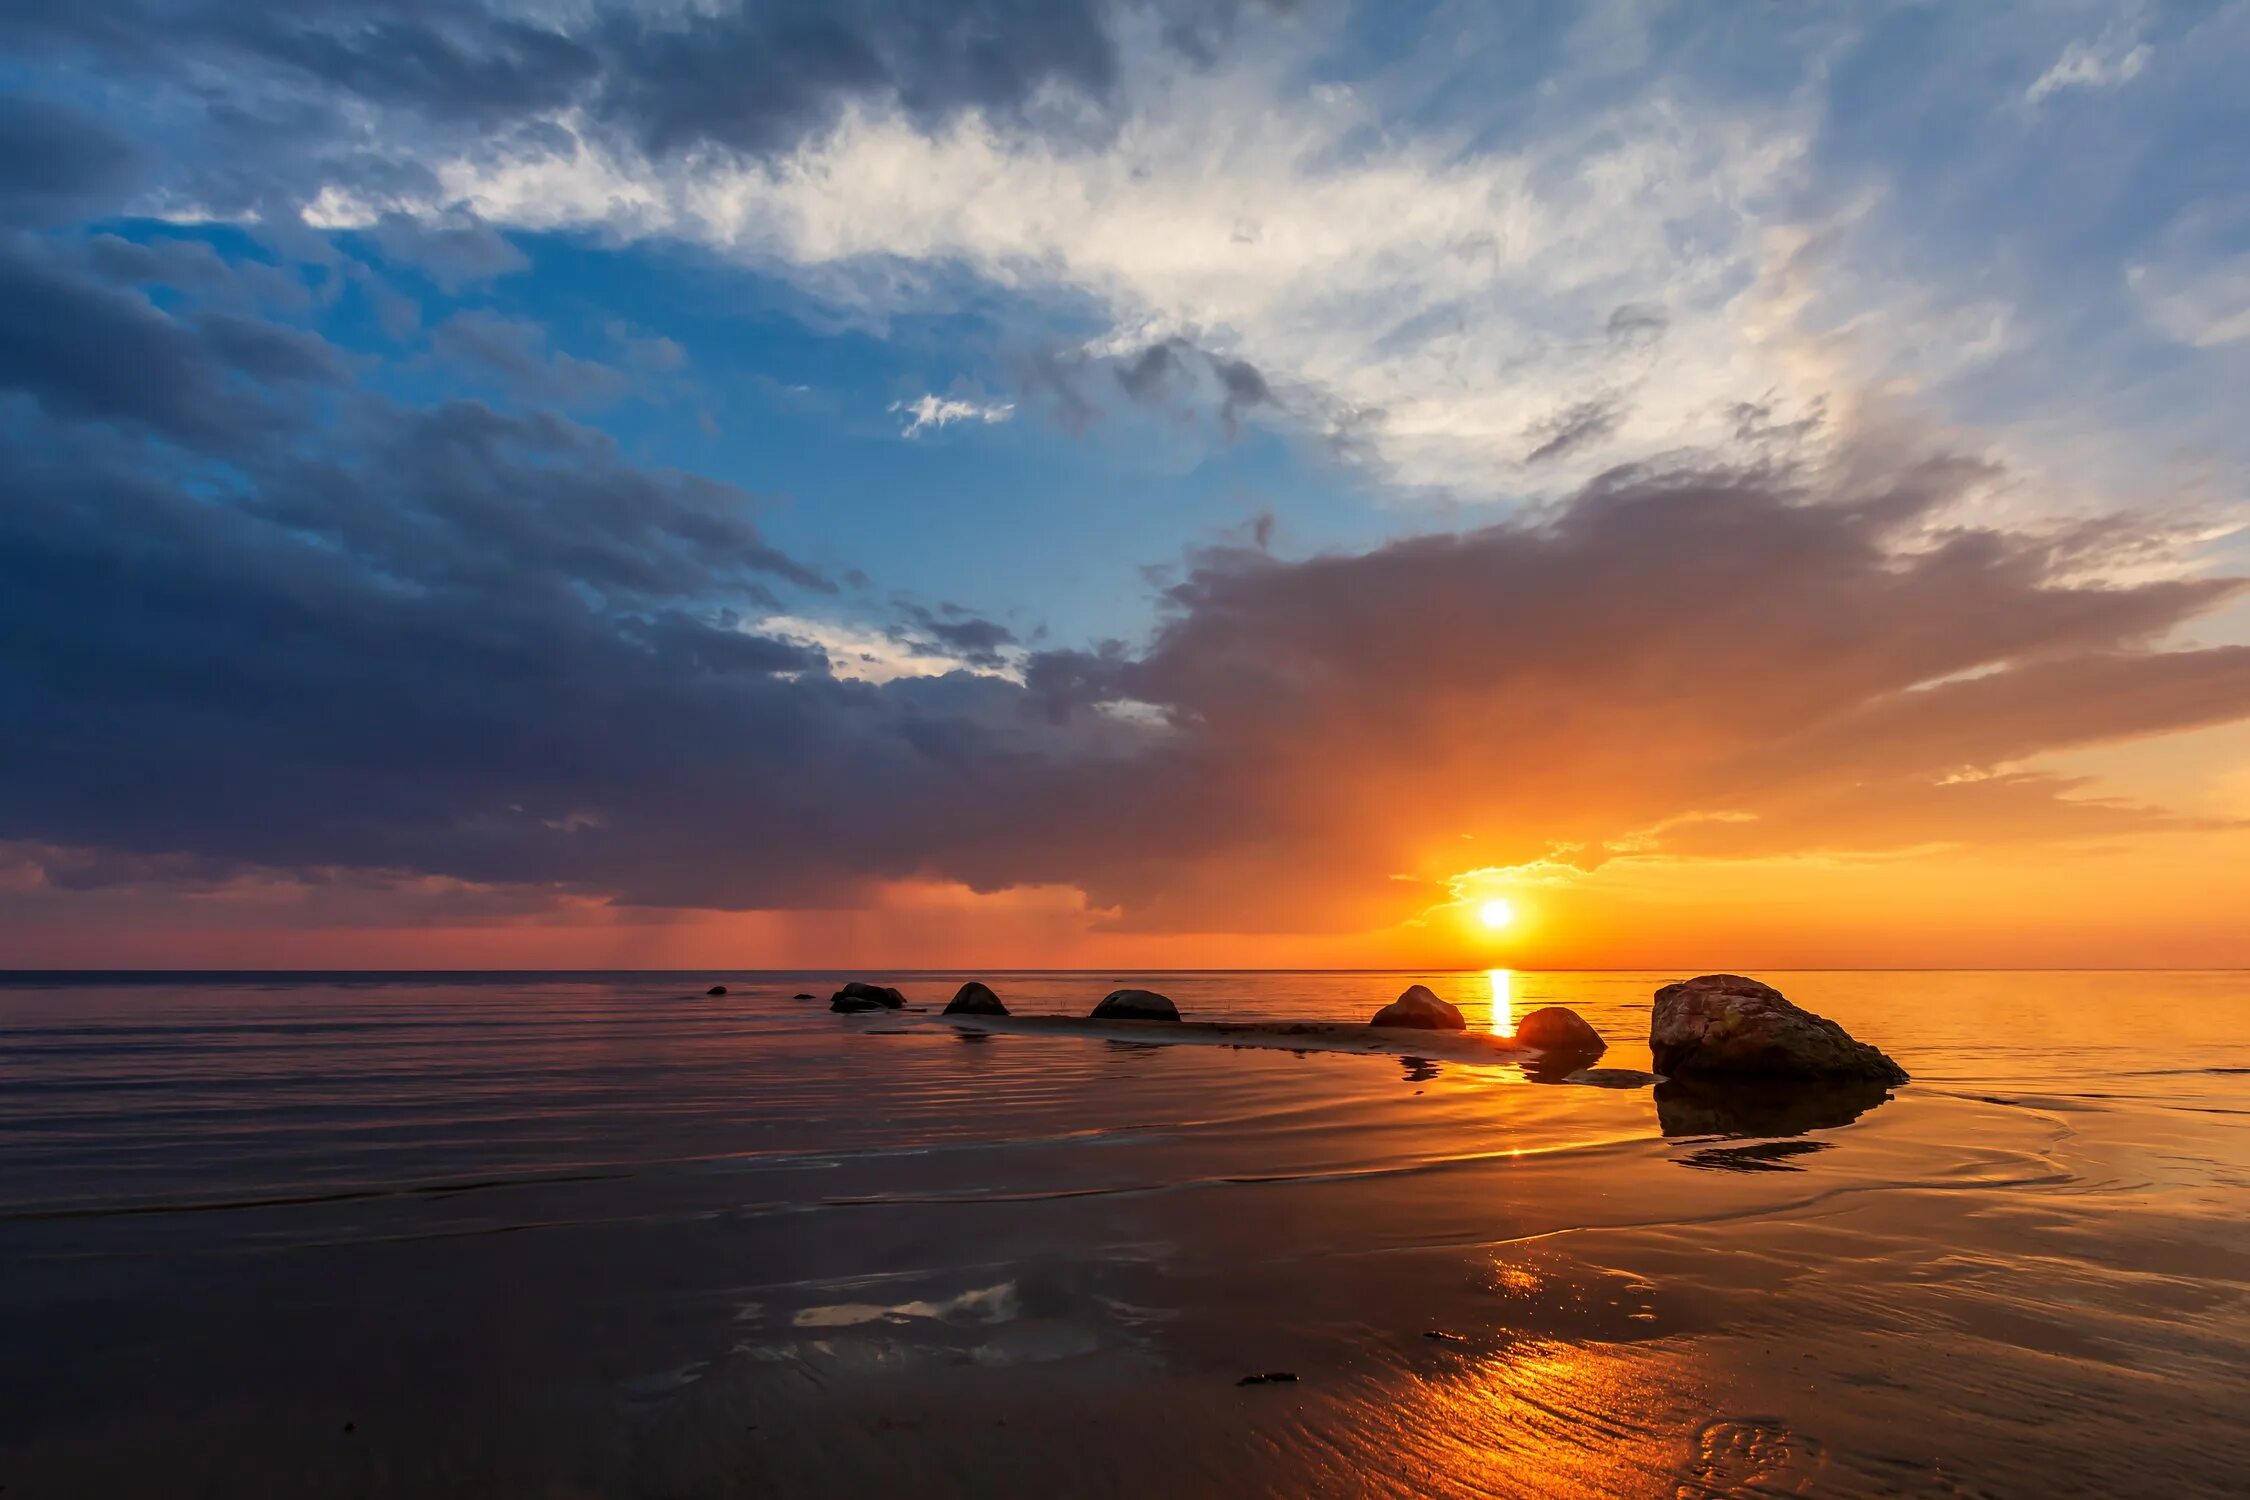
x: 1726, y: 1025
x: 1418, y: 1007
x: 1269, y: 1377
x: 1136, y: 1005
x: 716, y: 989
x: 857, y: 996
x: 1559, y: 1029
x: 1763, y: 1107
x: 802, y: 995
x: 975, y: 999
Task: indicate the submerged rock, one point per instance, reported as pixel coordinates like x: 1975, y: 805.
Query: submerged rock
x: 1421, y: 1008
x: 1136, y: 1005
x: 802, y: 995
x: 1559, y: 1029
x: 975, y: 999
x: 716, y: 989
x: 857, y: 996
x: 1269, y: 1377
x: 1726, y: 1025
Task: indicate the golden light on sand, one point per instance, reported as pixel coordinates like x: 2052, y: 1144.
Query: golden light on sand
x: 1496, y: 914
x: 1503, y: 1001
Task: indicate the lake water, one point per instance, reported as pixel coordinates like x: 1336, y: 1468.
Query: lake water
x: 594, y: 1235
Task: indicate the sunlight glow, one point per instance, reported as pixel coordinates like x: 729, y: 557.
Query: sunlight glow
x: 1496, y: 914
x: 1503, y: 1001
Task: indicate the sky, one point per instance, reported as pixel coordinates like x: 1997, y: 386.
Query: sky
x: 1136, y: 485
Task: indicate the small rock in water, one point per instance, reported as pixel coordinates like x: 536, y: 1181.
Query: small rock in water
x: 1724, y: 1024
x: 1443, y: 1337
x: 716, y: 989
x: 975, y: 999
x: 1136, y: 1005
x: 1558, y: 1028
x: 1270, y: 1377
x: 857, y: 995
x: 1420, y: 1007
x: 802, y: 995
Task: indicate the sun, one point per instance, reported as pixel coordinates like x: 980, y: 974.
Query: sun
x: 1496, y: 914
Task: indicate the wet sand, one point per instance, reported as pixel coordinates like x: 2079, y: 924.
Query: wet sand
x: 620, y: 1242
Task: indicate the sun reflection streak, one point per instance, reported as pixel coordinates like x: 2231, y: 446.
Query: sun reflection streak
x: 1503, y: 1001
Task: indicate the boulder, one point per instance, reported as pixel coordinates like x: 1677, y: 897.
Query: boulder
x: 1559, y: 1029
x: 1422, y: 1009
x: 1136, y: 1005
x: 1723, y: 1025
x: 802, y: 995
x: 975, y: 999
x: 716, y: 989
x: 856, y: 996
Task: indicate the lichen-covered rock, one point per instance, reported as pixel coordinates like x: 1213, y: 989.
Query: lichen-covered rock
x: 1726, y: 1025
x: 1420, y: 1008
x: 975, y: 999
x: 858, y: 995
x: 1136, y: 1005
x: 1558, y: 1028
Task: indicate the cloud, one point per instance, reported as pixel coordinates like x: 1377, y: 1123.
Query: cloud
x: 58, y: 163
x: 1572, y: 428
x: 454, y: 643
x: 455, y: 254
x: 929, y: 410
x: 515, y: 352
x: 750, y: 76
x: 2111, y: 62
x: 933, y: 643
x: 1427, y: 303
x: 84, y: 349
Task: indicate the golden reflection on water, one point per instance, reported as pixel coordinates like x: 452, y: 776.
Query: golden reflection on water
x: 1503, y: 1001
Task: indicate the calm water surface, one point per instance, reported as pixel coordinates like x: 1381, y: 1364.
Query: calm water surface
x: 578, y: 1235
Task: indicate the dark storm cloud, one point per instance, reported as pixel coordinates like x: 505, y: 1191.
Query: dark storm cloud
x: 83, y: 349
x: 459, y: 642
x: 57, y: 162
x: 1779, y: 659
x: 515, y: 352
x: 751, y: 77
x: 950, y: 630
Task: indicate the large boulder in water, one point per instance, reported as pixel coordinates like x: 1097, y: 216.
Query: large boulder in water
x: 1420, y: 1008
x: 1723, y: 1025
x: 1136, y: 1005
x: 975, y: 999
x: 1559, y: 1029
x: 857, y: 995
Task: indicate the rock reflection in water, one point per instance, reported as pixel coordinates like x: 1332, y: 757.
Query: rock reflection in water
x: 1745, y: 1108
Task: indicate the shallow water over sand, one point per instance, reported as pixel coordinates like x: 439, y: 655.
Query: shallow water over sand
x: 604, y: 1235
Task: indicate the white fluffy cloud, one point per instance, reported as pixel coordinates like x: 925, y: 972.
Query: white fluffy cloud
x: 931, y: 410
x: 1464, y: 311
x: 2112, y: 61
x: 1474, y: 321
